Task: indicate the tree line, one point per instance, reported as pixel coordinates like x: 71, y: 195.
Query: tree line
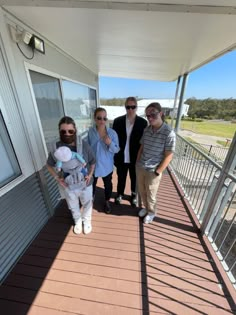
x: 211, y: 108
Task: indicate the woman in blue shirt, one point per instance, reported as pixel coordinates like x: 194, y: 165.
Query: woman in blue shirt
x: 104, y: 143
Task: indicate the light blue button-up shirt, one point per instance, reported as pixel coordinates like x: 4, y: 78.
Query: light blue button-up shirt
x: 104, y: 153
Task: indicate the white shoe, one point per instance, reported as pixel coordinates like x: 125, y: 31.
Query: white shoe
x: 87, y: 227
x: 78, y: 227
x: 142, y: 212
x: 149, y: 218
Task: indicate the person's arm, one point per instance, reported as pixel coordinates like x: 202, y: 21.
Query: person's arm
x: 54, y: 174
x: 90, y: 161
x: 79, y: 157
x: 140, y: 151
x: 90, y: 174
x: 164, y: 163
x: 112, y: 142
x: 58, y: 164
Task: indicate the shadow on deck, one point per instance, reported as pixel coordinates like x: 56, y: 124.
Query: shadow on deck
x: 122, y: 267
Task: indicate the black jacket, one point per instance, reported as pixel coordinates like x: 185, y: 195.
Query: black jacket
x: 119, y: 126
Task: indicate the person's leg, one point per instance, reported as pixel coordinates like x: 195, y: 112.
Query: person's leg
x: 152, y: 183
x: 72, y: 200
x: 86, y: 198
x: 107, y: 180
x: 95, y: 179
x: 141, y: 173
x: 132, y: 174
x: 121, y: 170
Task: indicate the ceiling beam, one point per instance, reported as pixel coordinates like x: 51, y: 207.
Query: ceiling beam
x: 123, y: 5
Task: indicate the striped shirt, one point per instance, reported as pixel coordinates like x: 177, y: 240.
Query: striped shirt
x: 155, y: 144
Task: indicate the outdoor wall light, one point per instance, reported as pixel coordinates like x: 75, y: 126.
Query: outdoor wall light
x: 27, y: 38
x: 37, y: 44
x: 33, y: 41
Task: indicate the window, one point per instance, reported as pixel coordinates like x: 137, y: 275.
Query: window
x: 80, y: 103
x: 9, y: 165
x: 49, y: 102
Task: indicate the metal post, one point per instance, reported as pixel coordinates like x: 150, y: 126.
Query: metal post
x: 175, y: 102
x: 184, y: 82
x: 228, y: 166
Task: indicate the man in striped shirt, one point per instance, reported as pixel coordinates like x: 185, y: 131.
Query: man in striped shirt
x: 155, y: 154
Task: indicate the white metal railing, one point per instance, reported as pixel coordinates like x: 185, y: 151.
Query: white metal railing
x: 217, y: 153
x: 211, y: 190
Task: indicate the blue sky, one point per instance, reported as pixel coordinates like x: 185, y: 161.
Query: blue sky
x: 216, y: 80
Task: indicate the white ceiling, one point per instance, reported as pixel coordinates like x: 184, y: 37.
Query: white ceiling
x: 134, y: 39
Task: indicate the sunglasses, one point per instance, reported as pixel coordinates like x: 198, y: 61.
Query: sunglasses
x: 130, y: 107
x: 152, y: 115
x: 101, y: 118
x: 69, y: 131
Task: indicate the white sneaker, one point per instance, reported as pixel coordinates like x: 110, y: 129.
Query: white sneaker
x: 78, y: 227
x: 87, y: 227
x: 149, y: 218
x: 142, y: 212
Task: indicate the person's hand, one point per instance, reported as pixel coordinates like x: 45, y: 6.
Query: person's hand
x: 107, y: 140
x: 60, y: 181
x: 88, y: 179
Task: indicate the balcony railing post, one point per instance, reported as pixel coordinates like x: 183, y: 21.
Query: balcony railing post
x: 228, y: 166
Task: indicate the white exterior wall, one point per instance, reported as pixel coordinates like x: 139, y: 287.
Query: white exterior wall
x: 18, y: 105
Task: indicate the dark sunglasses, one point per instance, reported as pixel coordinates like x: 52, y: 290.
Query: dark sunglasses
x: 130, y: 107
x: 152, y: 115
x: 101, y: 118
x: 64, y: 132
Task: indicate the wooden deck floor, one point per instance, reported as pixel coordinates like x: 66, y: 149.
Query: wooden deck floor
x: 122, y: 267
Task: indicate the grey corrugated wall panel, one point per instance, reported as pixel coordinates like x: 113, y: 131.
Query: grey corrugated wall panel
x: 52, y: 188
x: 23, y: 213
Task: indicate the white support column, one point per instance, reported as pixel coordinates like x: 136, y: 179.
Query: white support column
x: 175, y: 102
x: 184, y: 82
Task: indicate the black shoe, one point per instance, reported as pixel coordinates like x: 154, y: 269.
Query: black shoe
x: 133, y: 200
x: 118, y: 200
x: 107, y: 207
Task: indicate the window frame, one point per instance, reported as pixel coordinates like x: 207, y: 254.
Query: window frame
x: 11, y: 152
x: 31, y: 67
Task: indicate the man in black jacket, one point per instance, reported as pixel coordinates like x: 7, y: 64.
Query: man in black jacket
x: 130, y: 130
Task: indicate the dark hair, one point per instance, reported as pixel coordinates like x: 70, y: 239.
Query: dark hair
x: 99, y: 109
x: 66, y: 120
x: 156, y: 106
x: 131, y: 99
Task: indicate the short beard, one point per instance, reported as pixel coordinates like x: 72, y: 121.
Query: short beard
x: 68, y: 139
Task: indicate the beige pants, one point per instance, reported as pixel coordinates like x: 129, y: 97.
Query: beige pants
x: 148, y: 184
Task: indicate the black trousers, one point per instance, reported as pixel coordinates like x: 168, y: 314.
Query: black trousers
x: 122, y: 171
x: 107, y: 181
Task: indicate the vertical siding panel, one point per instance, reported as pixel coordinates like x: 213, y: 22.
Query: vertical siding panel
x: 23, y: 214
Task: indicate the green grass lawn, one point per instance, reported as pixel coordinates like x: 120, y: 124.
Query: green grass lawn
x: 212, y: 128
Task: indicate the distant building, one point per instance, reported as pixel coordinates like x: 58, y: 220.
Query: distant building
x: 166, y: 104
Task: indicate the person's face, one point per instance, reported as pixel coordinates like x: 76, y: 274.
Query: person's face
x: 100, y: 118
x: 67, y: 133
x: 153, y: 117
x: 131, y: 108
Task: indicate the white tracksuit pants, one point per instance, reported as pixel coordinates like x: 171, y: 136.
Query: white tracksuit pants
x: 86, y: 198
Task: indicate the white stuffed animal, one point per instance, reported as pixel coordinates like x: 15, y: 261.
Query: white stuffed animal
x: 64, y: 154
